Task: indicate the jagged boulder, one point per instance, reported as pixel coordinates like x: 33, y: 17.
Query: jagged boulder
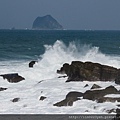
x: 99, y: 94
x: 88, y: 71
x: 13, y: 77
x: 70, y: 98
x: 42, y: 98
x: 95, y: 95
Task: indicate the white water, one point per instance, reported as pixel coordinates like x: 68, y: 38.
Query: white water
x: 29, y: 90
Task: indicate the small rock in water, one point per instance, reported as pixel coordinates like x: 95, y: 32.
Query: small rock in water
x: 42, y: 98
x: 1, y: 88
x: 13, y: 77
x: 32, y: 63
x: 15, y: 99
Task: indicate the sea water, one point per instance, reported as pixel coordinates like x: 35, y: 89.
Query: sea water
x: 51, y: 49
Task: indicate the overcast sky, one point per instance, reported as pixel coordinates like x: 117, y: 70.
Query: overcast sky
x: 71, y: 14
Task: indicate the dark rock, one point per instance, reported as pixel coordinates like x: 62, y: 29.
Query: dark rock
x: 13, y: 78
x: 1, y: 88
x: 42, y: 98
x: 95, y: 86
x: 88, y: 71
x: 86, y: 85
x: 117, y: 114
x: 63, y: 103
x: 32, y: 63
x: 86, y: 110
x: 107, y: 99
x: 118, y: 111
x: 15, y: 99
x: 74, y: 94
x: 46, y: 23
x: 117, y: 80
x: 70, y: 98
x: 62, y: 76
x: 40, y: 81
x: 118, y: 105
x: 97, y: 94
x: 111, y: 111
x: 64, y: 69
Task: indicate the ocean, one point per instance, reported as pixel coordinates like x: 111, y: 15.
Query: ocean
x: 51, y: 49
x: 30, y: 44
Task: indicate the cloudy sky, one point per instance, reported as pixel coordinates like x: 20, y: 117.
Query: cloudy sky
x: 72, y: 14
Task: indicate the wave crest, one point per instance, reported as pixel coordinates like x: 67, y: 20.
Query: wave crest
x: 60, y: 53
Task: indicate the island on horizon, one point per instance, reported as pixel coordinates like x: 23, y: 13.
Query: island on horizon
x: 46, y: 22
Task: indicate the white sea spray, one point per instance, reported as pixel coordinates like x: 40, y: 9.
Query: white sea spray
x: 29, y: 90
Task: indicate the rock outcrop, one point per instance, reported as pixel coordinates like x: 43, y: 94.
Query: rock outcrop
x: 88, y: 71
x: 46, y: 23
x: 98, y: 95
x: 13, y: 77
x: 70, y: 98
x: 94, y: 95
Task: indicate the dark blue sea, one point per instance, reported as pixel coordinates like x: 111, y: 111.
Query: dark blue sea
x: 30, y: 44
x: 59, y: 46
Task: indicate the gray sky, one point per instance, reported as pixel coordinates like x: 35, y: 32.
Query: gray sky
x: 71, y: 14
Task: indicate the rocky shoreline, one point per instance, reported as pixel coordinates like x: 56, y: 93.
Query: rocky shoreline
x: 79, y: 71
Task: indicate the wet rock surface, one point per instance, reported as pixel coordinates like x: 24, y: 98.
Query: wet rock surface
x: 89, y: 71
x: 70, y: 98
x: 31, y: 64
x: 94, y: 95
x: 42, y: 98
x: 2, y: 89
x: 13, y: 77
x: 98, y: 94
x: 15, y: 100
x: 95, y: 86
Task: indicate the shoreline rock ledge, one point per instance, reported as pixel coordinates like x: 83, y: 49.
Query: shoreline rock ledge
x: 89, y: 71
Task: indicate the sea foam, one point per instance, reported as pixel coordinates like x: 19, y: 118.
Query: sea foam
x: 55, y: 56
x: 42, y: 80
x: 59, y: 53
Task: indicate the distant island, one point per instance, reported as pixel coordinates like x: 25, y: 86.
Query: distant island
x: 46, y: 23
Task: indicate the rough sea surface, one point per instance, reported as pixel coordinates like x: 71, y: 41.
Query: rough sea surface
x: 52, y: 49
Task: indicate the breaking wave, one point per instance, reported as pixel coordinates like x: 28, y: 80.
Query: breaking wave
x: 59, y: 53
x: 55, y: 56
